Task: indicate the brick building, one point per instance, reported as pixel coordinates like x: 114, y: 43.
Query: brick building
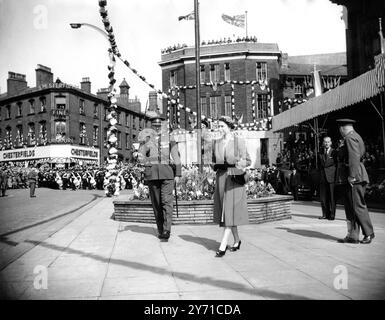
x: 220, y: 64
x: 55, y: 113
x: 239, y: 61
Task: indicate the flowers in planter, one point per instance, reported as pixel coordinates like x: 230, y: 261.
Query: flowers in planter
x: 194, y: 185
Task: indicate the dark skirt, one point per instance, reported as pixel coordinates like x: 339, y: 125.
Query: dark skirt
x: 230, y: 202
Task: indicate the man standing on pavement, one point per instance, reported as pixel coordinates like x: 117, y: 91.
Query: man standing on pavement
x: 327, y: 161
x: 159, y: 154
x: 3, y: 180
x: 32, y: 181
x: 294, y: 183
x: 352, y: 174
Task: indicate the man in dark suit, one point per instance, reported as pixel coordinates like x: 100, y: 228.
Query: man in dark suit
x: 351, y: 173
x: 327, y: 161
x: 294, y: 183
x: 159, y: 154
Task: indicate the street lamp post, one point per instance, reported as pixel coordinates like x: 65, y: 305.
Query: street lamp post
x: 78, y: 26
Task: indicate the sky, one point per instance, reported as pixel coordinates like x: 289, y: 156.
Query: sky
x: 37, y: 32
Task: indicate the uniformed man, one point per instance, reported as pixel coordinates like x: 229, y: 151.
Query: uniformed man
x: 32, y: 181
x: 352, y: 175
x: 159, y: 154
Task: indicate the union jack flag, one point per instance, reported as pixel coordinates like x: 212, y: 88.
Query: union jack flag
x: 238, y: 20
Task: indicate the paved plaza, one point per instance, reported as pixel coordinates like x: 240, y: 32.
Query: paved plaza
x: 84, y: 254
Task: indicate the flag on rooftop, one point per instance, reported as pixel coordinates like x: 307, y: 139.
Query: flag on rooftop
x: 237, y: 20
x: 189, y: 16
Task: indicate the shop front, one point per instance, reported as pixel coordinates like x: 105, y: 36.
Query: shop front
x: 60, y: 155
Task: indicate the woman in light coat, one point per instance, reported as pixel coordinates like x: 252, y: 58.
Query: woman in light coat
x: 230, y: 159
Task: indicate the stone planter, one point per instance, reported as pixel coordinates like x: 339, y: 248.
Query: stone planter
x: 261, y: 210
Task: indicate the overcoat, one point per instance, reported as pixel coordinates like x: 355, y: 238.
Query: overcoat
x: 230, y: 202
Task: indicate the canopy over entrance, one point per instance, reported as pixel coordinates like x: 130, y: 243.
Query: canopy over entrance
x: 354, y: 91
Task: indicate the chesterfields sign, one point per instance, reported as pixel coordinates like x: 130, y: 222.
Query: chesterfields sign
x: 52, y: 151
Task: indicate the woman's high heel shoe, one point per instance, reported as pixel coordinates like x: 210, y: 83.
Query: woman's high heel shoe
x: 220, y: 253
x: 237, y: 247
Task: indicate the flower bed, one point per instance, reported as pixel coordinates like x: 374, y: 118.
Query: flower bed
x: 195, y: 192
x: 194, y: 185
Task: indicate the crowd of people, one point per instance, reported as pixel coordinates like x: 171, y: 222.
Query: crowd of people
x: 210, y: 42
x: 74, y: 178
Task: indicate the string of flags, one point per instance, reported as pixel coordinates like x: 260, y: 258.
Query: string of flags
x: 111, y: 182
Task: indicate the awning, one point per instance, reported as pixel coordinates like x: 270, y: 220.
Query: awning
x: 354, y: 91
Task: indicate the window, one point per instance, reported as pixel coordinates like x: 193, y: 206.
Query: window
x: 119, y: 137
x: 8, y: 137
x: 43, y: 132
x: 82, y: 133
x: 127, y: 141
x: 202, y: 74
x: 105, y: 112
x: 214, y: 73
x: 127, y: 120
x: 19, y: 135
x: 19, y: 109
x: 204, y: 106
x: 60, y: 130
x: 134, y: 122
x: 228, y: 106
x: 227, y: 71
x: 118, y: 117
x: 31, y: 134
x: 31, y: 106
x: 8, y: 112
x: 261, y: 106
x: 214, y: 107
x: 96, y: 110
x: 261, y: 71
x: 60, y: 103
x: 173, y: 79
x: 95, y: 135
x: 43, y: 104
x: 81, y: 107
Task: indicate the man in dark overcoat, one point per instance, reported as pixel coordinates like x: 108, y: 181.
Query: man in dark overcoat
x: 159, y: 154
x: 327, y: 165
x: 352, y: 174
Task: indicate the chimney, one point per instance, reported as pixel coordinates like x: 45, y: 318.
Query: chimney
x: 43, y: 75
x: 152, y: 101
x: 103, y: 93
x: 16, y: 82
x: 85, y: 85
x: 285, y: 61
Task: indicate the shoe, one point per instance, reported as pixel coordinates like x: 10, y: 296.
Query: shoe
x: 331, y: 218
x: 347, y: 240
x: 322, y: 218
x: 165, y: 235
x: 235, y: 248
x: 220, y: 253
x: 367, y: 239
x: 33, y: 196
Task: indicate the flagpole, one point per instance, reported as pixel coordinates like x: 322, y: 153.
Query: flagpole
x: 246, y: 22
x: 198, y: 83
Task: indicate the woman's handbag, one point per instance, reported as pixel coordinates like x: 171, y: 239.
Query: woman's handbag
x: 239, y: 178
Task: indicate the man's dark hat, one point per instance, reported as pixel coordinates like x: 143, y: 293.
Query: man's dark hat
x: 342, y: 122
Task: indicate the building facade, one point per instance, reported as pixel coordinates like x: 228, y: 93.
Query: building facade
x: 55, y: 113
